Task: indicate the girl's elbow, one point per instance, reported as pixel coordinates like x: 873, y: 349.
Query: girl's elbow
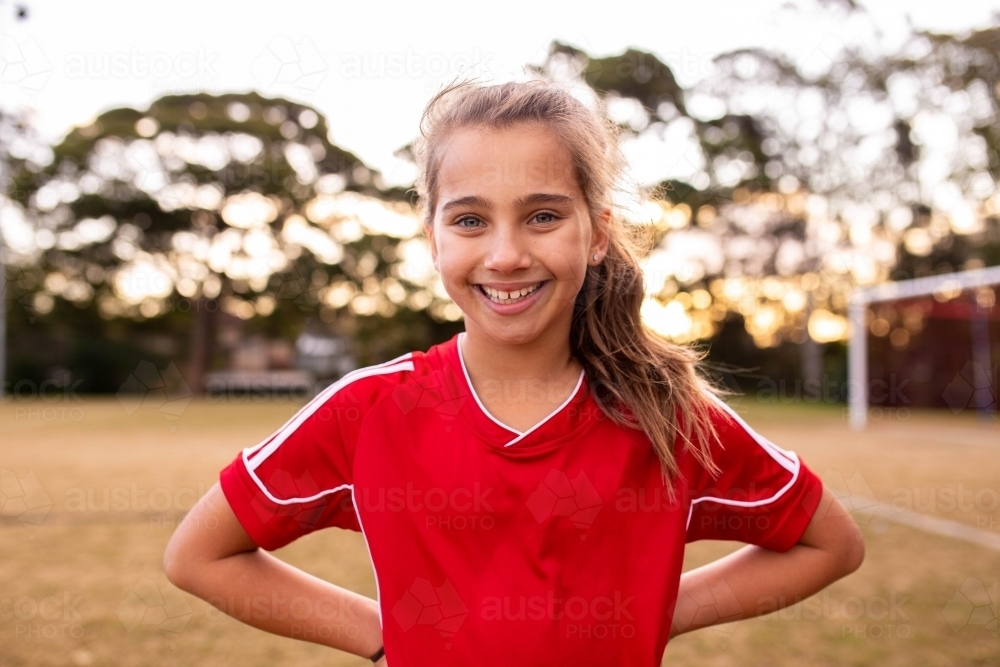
x: 853, y: 552
x: 172, y: 568
x: 177, y: 565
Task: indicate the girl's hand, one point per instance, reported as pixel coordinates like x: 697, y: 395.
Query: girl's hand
x: 211, y: 556
x: 754, y: 581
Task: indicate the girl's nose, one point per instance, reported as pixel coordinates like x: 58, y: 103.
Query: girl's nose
x: 507, y: 253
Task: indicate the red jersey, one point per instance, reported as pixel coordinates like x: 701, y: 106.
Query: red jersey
x: 492, y: 546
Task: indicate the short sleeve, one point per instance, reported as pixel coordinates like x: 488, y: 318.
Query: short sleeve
x: 299, y: 479
x: 764, y: 495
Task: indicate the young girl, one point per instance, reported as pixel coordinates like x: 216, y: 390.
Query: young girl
x: 526, y: 488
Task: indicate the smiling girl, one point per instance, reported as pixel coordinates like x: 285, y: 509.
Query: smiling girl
x: 525, y: 489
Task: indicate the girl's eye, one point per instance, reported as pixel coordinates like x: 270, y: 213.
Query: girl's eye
x: 543, y: 217
x: 465, y: 218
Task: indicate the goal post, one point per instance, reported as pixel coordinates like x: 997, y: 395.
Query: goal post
x: 860, y: 300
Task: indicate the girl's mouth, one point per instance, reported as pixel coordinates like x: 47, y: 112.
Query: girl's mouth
x: 511, y: 302
x: 509, y: 298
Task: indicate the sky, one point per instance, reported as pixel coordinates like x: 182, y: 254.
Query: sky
x: 371, y: 67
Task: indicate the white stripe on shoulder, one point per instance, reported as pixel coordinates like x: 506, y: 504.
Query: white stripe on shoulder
x: 321, y: 398
x: 254, y: 456
x: 786, y: 459
x: 269, y: 446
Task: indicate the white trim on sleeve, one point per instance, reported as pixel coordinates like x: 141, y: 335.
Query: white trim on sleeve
x: 786, y: 459
x: 254, y: 456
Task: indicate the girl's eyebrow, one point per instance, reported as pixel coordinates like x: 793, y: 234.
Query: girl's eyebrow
x: 520, y: 202
x: 474, y: 201
x: 544, y: 198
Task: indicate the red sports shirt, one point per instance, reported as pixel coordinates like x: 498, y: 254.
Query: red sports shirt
x: 554, y: 546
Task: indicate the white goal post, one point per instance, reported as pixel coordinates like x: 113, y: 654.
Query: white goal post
x: 857, y: 351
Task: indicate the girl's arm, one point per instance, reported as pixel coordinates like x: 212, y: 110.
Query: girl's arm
x: 211, y: 556
x: 754, y: 581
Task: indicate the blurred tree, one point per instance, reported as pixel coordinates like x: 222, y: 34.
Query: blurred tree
x: 20, y: 150
x: 235, y: 203
x: 897, y: 153
x: 789, y: 184
x: 785, y: 185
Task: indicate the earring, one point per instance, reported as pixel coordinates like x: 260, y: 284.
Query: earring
x: 595, y: 258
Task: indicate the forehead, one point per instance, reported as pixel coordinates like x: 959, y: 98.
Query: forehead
x: 524, y: 157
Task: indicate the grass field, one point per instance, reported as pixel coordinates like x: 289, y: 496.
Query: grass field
x: 81, y: 581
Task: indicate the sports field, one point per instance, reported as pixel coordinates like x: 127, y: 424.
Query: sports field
x: 92, y: 490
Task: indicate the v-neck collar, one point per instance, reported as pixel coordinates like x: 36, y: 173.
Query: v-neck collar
x: 559, y: 423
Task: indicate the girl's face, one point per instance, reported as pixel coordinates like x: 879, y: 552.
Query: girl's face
x: 510, y: 216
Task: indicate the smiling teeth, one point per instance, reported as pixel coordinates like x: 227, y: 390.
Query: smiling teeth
x: 508, y: 297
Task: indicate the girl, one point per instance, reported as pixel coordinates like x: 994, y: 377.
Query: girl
x: 526, y: 488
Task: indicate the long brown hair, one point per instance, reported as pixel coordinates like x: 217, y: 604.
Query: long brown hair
x: 638, y: 379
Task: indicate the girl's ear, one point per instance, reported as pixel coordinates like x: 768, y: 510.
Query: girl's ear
x: 602, y: 238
